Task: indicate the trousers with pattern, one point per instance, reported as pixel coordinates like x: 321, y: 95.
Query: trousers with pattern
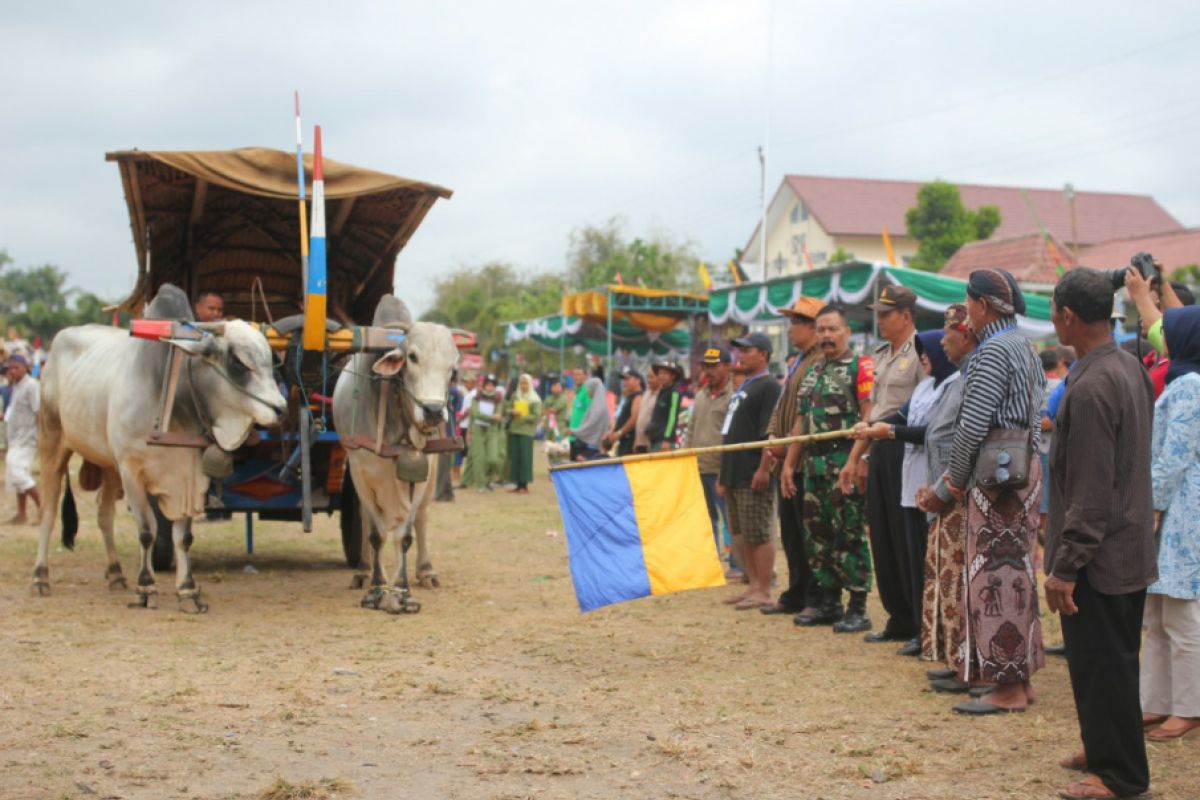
x: 835, y: 529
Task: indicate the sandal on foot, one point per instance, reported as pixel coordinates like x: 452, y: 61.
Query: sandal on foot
x: 747, y: 605
x: 941, y: 674
x: 1164, y: 734
x: 979, y: 708
x: 1094, y: 789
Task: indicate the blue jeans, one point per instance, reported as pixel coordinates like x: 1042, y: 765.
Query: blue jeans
x: 716, y: 512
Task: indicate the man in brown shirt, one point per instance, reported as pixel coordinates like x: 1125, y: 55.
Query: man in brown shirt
x: 802, y: 335
x: 896, y: 560
x: 704, y: 430
x: 1100, y: 546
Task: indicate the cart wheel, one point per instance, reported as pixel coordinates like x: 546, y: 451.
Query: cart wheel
x: 162, y: 556
x: 351, y: 522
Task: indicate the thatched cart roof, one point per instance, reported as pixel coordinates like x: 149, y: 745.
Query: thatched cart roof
x: 216, y: 220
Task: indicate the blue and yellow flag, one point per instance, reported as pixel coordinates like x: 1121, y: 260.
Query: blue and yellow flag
x: 636, y: 529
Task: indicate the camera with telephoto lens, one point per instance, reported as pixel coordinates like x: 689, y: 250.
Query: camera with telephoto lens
x: 1143, y: 262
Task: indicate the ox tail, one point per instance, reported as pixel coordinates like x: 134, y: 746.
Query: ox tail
x: 70, y: 517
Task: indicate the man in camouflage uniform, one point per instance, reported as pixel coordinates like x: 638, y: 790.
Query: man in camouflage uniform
x: 833, y: 396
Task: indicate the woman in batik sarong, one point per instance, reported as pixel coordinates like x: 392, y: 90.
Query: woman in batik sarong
x: 1003, y: 389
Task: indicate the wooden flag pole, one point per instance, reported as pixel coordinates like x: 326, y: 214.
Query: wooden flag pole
x: 695, y: 451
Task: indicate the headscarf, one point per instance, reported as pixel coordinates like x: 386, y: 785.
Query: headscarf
x: 999, y: 289
x: 956, y: 319
x: 931, y: 345
x: 1181, y: 327
x: 595, y: 422
x: 529, y: 395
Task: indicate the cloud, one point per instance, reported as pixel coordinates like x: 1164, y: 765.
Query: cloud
x: 545, y: 116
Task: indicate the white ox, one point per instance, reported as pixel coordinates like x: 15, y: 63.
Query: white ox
x: 101, y: 391
x: 410, y: 384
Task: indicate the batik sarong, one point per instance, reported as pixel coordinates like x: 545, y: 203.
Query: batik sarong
x: 1003, y: 636
x: 941, y: 606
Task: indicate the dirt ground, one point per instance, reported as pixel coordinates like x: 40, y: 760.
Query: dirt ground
x: 499, y: 688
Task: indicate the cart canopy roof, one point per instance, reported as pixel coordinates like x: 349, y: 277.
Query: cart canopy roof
x: 218, y: 220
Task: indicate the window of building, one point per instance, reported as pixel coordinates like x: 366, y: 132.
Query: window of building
x: 799, y: 213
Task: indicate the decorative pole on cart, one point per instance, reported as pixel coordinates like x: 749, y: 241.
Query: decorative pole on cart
x: 300, y: 186
x: 314, y: 299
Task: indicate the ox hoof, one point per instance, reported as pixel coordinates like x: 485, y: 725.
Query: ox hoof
x: 40, y: 589
x: 399, y: 603
x: 372, y: 599
x: 358, y: 581
x: 116, y: 580
x: 148, y: 600
x: 192, y: 604
x: 429, y: 581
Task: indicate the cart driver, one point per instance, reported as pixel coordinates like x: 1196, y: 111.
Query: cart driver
x: 209, y: 307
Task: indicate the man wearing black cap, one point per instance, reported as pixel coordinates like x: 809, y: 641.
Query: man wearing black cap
x: 744, y: 481
x: 665, y: 419
x: 704, y: 430
x: 897, y: 373
x: 800, y: 597
x: 632, y: 386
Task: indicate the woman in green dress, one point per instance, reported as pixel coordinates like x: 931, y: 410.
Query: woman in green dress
x: 486, y: 436
x: 525, y: 408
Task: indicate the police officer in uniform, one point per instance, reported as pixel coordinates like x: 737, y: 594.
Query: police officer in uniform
x: 833, y: 396
x: 897, y: 373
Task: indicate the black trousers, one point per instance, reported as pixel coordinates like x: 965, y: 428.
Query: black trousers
x: 916, y: 537
x: 889, y: 551
x: 791, y: 533
x: 1104, y: 640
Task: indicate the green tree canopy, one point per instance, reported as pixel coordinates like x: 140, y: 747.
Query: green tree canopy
x: 941, y: 224
x: 597, y: 254
x: 481, y: 299
x: 37, y: 302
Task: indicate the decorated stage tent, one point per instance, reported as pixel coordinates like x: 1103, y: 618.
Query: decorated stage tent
x: 854, y: 285
x: 614, y: 318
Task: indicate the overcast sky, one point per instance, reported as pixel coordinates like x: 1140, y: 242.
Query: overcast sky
x: 546, y: 116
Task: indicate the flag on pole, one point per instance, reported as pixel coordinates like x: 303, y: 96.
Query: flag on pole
x: 887, y: 248
x: 314, y: 299
x: 808, y: 262
x: 636, y: 530
x: 736, y: 272
x: 705, y: 278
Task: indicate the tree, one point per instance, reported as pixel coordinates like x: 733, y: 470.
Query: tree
x: 840, y: 256
x: 598, y: 254
x: 481, y: 299
x: 941, y: 224
x: 37, y: 303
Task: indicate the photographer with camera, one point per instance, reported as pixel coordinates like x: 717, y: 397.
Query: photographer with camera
x: 1151, y: 294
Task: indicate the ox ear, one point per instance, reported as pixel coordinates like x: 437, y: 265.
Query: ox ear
x: 389, y: 364
x: 205, y: 347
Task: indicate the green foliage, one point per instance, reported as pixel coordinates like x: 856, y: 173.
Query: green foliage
x: 481, y: 299
x: 598, y: 254
x: 840, y: 256
x: 37, y: 302
x: 941, y: 224
x: 1188, y: 273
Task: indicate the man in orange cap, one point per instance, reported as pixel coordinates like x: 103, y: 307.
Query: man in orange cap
x: 797, y: 599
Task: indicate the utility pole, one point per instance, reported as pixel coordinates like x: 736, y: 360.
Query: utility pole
x: 1069, y: 193
x: 762, y: 226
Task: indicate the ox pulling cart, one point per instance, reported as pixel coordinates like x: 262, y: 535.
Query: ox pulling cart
x: 228, y: 222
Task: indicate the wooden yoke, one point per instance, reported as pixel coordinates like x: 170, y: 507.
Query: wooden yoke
x: 161, y: 434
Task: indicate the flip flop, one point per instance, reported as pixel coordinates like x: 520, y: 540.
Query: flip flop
x: 747, y: 605
x: 1159, y: 735
x: 733, y: 600
x: 941, y: 674
x: 950, y: 686
x: 1093, y: 789
x: 978, y: 708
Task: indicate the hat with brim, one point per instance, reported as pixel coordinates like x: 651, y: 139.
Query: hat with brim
x: 668, y: 365
x: 804, y: 309
x: 893, y: 297
x: 717, y: 354
x: 757, y: 340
